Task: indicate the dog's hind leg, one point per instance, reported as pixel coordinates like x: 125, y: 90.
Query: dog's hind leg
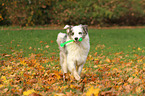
x: 63, y: 63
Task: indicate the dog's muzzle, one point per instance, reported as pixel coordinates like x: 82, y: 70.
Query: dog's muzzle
x: 76, y: 38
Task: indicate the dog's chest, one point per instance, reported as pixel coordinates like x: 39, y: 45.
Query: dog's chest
x: 78, y: 52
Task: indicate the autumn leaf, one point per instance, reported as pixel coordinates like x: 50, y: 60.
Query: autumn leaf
x: 108, y: 60
x: 47, y: 46
x: 93, y: 91
x: 138, y: 48
x: 138, y: 89
x: 30, y: 47
x: 23, y: 62
x: 130, y: 80
x: 59, y: 94
x: 1, y: 86
x: 3, y: 78
x: 28, y: 92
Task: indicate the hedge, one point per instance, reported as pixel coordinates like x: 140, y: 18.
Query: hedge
x: 93, y: 12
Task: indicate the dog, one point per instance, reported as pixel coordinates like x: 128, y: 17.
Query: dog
x: 74, y: 54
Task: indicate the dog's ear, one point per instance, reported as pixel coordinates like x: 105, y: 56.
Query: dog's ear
x: 68, y: 28
x: 85, y: 28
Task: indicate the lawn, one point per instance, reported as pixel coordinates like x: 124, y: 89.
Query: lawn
x: 29, y: 62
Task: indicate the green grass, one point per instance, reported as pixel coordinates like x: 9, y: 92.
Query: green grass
x: 30, y: 41
x: 35, y: 41
x: 117, y: 40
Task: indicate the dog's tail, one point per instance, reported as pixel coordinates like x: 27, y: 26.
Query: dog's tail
x: 61, y: 38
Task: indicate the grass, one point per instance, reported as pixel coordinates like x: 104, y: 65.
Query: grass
x: 30, y: 41
x: 116, y: 57
x: 112, y: 40
x: 116, y: 40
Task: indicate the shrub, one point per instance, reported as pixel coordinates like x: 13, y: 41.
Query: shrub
x: 27, y: 12
x: 98, y: 12
x: 3, y: 14
x: 93, y: 12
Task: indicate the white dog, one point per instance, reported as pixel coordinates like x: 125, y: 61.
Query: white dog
x: 74, y: 54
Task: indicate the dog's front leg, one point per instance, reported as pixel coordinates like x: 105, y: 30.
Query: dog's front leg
x: 72, y: 69
x: 80, y: 69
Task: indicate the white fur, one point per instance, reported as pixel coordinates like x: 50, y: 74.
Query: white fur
x: 74, y: 56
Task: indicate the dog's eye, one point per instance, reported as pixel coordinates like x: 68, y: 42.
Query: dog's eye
x: 72, y: 33
x: 80, y: 33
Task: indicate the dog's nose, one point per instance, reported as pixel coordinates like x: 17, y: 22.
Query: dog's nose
x: 76, y: 38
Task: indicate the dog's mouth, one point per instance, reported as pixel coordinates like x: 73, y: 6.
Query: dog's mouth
x: 76, y: 41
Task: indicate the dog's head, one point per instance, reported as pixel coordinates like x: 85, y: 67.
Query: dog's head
x: 76, y: 32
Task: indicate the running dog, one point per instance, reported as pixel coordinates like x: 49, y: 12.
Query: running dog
x: 74, y: 54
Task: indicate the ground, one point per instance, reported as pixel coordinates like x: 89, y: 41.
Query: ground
x: 29, y: 63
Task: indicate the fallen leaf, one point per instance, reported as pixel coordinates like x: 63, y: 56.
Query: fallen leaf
x: 138, y: 90
x: 52, y: 41
x: 1, y: 86
x: 127, y: 88
x: 138, y: 48
x: 5, y: 90
x: 28, y: 92
x: 30, y: 47
x: 130, y: 80
x: 3, y: 78
x: 47, y: 46
x: 93, y: 92
x: 95, y: 54
x: 41, y: 41
x: 108, y: 60
x: 137, y: 80
x: 7, y: 55
x: 59, y: 94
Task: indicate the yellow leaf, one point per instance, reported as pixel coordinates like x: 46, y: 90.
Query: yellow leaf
x: 115, y: 69
x: 3, y: 78
x: 7, y: 82
x: 125, y: 84
x: 139, y: 61
x: 23, y: 62
x: 57, y: 75
x: 1, y: 86
x: 139, y: 49
x: 72, y: 86
x: 93, y: 91
x: 28, y: 92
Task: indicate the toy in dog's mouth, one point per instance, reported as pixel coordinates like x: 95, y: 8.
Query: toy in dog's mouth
x: 62, y: 44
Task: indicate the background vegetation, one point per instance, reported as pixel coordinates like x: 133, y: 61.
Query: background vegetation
x: 60, y: 12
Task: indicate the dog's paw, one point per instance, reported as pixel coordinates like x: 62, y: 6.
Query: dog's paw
x: 77, y: 77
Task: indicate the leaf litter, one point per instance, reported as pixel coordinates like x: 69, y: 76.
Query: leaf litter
x: 36, y: 75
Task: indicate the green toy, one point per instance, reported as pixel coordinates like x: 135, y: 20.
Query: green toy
x: 62, y: 44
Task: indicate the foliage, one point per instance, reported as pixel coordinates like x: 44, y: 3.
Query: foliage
x: 27, y: 12
x: 29, y: 64
x: 98, y: 12
x: 93, y: 12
